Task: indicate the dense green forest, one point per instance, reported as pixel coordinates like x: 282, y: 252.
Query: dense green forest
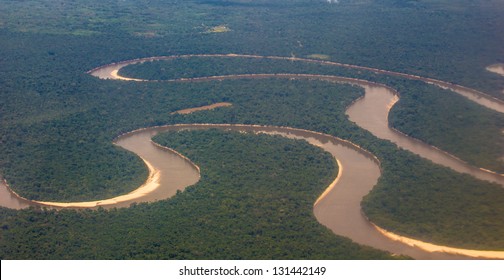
x: 467, y: 130
x: 444, y: 39
x: 57, y: 123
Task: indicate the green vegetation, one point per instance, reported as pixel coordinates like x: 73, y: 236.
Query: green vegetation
x: 218, y: 29
x: 192, y: 67
x: 436, y: 206
x: 254, y: 201
x: 57, y: 123
x: 319, y: 56
x: 137, y: 18
x: 467, y: 130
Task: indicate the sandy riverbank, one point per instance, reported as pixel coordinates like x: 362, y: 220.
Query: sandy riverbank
x: 150, y: 185
x: 496, y: 68
x: 202, y: 108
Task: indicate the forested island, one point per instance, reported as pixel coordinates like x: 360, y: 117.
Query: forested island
x: 58, y: 124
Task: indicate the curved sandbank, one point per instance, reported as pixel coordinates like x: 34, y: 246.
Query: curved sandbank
x: 496, y: 68
x: 150, y: 185
x: 168, y: 172
x: 438, y: 248
x: 202, y: 108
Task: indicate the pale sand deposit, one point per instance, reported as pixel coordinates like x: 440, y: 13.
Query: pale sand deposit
x: 429, y: 247
x: 496, y: 68
x: 115, y: 75
x: 150, y: 185
x: 202, y: 108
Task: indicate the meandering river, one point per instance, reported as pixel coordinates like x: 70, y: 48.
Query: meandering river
x: 339, y: 207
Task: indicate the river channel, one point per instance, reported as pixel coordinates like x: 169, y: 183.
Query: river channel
x: 339, y: 207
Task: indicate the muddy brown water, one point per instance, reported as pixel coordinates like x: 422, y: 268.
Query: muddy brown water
x: 10, y: 200
x: 371, y: 113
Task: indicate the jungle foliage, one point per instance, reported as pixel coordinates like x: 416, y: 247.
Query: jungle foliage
x: 57, y: 123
